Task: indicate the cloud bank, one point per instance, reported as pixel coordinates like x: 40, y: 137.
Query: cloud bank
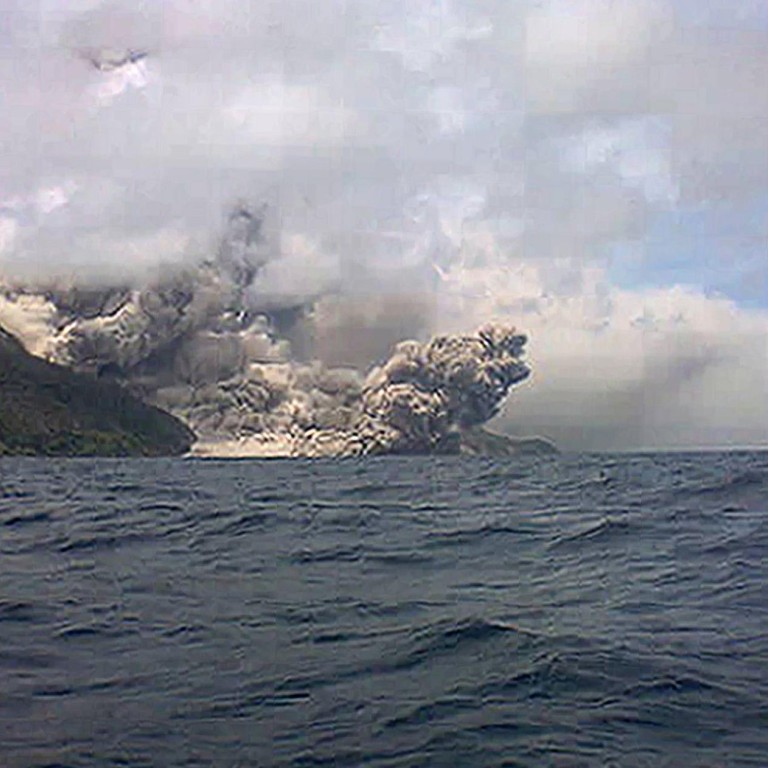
x: 426, y: 167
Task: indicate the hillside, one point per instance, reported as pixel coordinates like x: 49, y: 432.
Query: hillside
x: 47, y: 410
x: 483, y: 442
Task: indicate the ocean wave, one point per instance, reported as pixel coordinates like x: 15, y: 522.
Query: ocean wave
x: 386, y: 612
x: 605, y: 530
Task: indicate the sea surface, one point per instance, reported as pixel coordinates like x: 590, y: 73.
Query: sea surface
x: 559, y: 611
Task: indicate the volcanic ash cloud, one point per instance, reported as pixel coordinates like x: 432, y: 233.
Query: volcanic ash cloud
x: 422, y: 397
x: 195, y: 344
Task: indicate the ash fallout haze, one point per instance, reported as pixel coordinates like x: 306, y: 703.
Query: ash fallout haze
x: 240, y: 214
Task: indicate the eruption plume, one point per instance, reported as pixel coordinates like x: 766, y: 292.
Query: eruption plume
x: 195, y: 344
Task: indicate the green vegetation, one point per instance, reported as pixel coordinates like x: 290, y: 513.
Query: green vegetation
x: 47, y: 410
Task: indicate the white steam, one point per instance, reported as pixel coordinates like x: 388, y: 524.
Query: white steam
x: 427, y: 167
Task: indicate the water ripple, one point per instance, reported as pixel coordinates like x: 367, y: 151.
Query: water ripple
x: 576, y: 611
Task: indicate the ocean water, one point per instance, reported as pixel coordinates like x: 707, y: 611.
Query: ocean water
x: 565, y: 611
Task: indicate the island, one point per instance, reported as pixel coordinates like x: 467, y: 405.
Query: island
x: 48, y: 410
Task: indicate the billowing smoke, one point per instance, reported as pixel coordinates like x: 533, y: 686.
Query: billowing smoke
x: 592, y: 170
x: 202, y: 343
x: 425, y: 390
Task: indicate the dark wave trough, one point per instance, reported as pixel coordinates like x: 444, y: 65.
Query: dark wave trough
x: 570, y: 611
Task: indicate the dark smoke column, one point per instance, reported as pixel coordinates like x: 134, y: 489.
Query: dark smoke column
x: 421, y: 399
x: 197, y: 344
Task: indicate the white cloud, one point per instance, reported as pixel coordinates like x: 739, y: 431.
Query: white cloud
x: 302, y: 273
x: 636, y: 150
x: 8, y: 229
x: 275, y: 114
x: 616, y: 368
x: 488, y: 150
x: 111, y: 84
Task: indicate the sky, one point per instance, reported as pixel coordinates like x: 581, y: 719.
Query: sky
x: 592, y: 171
